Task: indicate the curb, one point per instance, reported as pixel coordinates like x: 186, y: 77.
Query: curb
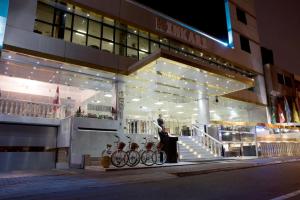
x: 208, y: 171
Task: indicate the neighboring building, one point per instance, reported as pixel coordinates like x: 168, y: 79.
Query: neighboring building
x: 74, y: 73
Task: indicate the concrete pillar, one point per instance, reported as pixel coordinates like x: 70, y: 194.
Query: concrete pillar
x: 120, y: 99
x: 203, y: 109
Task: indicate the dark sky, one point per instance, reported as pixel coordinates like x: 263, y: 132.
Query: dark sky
x: 207, y: 16
x: 279, y: 29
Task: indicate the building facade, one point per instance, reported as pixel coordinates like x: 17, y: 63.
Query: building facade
x: 76, y: 73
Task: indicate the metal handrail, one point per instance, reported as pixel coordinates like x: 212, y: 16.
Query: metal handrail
x: 207, y: 135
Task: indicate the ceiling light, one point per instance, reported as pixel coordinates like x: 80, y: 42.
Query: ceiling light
x: 34, y: 68
x: 212, y: 111
x: 136, y: 99
x: 159, y: 103
x: 195, y: 114
x: 179, y: 106
x: 195, y: 109
x: 165, y: 115
x: 9, y: 57
x: 180, y: 112
x: 164, y: 110
x: 57, y: 72
x: 98, y: 101
x: 108, y: 95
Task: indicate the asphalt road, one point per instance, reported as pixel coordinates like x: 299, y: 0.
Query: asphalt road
x: 260, y: 183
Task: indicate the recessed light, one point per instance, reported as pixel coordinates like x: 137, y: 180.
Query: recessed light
x: 195, y: 109
x: 159, y: 103
x: 136, y: 99
x: 34, y: 68
x: 195, y: 114
x: 57, y: 72
x: 179, y: 106
x: 180, y: 112
x: 108, y: 95
x: 9, y: 57
x: 164, y: 110
x: 70, y: 79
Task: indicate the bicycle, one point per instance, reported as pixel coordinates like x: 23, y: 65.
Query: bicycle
x: 119, y: 158
x: 132, y: 153
x: 148, y: 156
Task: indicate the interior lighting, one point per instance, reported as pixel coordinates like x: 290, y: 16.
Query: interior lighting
x: 136, y: 99
x: 180, y: 112
x: 159, y: 103
x: 179, y: 106
x: 108, y: 95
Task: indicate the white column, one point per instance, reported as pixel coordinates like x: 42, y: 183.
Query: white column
x: 120, y: 99
x: 203, y: 117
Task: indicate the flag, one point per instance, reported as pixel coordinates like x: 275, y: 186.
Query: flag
x: 280, y: 113
x: 295, y: 114
x: 56, y: 99
x: 287, y: 111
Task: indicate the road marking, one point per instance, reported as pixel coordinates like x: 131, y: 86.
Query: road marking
x: 287, y: 196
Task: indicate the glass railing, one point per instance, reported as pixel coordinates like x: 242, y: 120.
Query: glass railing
x: 33, y: 109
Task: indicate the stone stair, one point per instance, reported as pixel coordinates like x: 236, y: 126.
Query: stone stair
x: 191, y: 149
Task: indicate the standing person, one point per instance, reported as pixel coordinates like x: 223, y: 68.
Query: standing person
x: 160, y: 121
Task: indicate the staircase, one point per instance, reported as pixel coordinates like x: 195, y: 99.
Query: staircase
x: 197, y: 148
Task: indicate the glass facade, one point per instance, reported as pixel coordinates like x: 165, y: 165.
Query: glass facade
x: 73, y: 24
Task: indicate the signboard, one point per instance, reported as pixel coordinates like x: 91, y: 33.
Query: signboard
x: 3, y: 16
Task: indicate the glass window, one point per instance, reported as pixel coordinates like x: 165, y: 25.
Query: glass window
x: 280, y: 79
x: 132, y: 53
x: 94, y: 42
x: 132, y: 29
x: 108, y: 33
x: 80, y: 11
x: 95, y: 16
x: 79, y: 38
x: 67, y: 35
x: 288, y: 81
x: 241, y: 15
x: 94, y: 28
x: 245, y: 44
x: 154, y: 37
x: 43, y: 28
x: 142, y: 55
x: 143, y: 44
x: 154, y: 46
x: 107, y: 46
x: 175, y: 44
x: 120, y: 50
x: 145, y: 34
x: 108, y: 21
x: 132, y: 40
x: 164, y: 41
x: 80, y: 24
x: 58, y: 32
x: 120, y: 37
x: 68, y: 20
x: 45, y: 13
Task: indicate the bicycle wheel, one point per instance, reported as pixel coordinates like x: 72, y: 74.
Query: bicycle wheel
x: 119, y: 158
x: 161, y: 157
x: 133, y: 158
x: 148, y: 158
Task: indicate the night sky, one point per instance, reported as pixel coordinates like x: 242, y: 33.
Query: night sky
x: 206, y: 15
x: 279, y: 29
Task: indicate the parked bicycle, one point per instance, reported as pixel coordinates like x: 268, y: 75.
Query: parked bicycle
x: 119, y: 158
x: 132, y: 153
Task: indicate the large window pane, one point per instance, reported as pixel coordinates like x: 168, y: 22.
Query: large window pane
x: 68, y: 20
x: 108, y: 21
x: 107, y: 46
x: 154, y: 46
x: 120, y: 50
x: 80, y: 24
x: 142, y: 55
x: 67, y: 36
x: 94, y: 28
x: 43, y: 29
x: 108, y: 33
x: 143, y: 44
x: 132, y: 40
x: 132, y: 53
x: 120, y: 37
x: 95, y: 17
x: 94, y: 42
x: 45, y: 13
x: 79, y: 38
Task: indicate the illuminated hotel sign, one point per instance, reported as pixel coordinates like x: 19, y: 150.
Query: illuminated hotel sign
x: 179, y: 32
x: 3, y: 16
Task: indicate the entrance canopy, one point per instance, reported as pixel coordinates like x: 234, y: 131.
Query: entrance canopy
x: 165, y: 85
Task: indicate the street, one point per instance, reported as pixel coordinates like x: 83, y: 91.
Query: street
x: 264, y: 182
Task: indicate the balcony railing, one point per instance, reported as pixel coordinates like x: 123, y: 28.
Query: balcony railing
x: 32, y: 109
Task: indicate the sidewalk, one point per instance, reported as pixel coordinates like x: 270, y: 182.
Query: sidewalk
x: 176, y: 169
